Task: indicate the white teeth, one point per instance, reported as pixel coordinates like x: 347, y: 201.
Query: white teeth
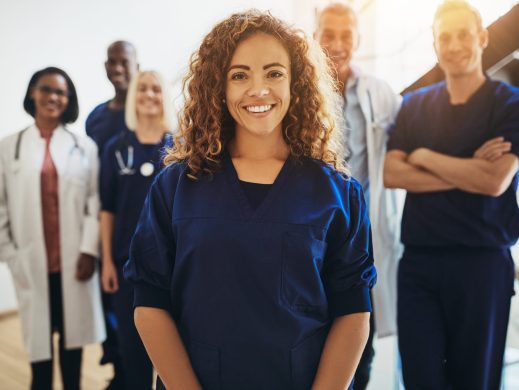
x: 259, y: 108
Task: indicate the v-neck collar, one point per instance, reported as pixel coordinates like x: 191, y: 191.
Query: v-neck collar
x: 477, y: 95
x: 247, y: 210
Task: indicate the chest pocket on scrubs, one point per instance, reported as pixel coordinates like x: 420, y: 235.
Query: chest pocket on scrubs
x: 302, y: 288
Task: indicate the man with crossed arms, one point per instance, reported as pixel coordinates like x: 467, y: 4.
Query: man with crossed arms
x: 454, y: 147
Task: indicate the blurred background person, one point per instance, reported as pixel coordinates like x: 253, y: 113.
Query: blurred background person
x: 107, y: 119
x: 369, y: 107
x: 104, y: 122
x: 454, y: 147
x: 49, y: 233
x: 129, y: 164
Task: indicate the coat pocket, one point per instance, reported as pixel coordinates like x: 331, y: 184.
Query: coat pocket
x: 304, y: 359
x: 302, y: 287
x: 19, y: 267
x: 205, y: 360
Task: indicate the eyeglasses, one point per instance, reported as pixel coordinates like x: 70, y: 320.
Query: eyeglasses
x: 47, y: 90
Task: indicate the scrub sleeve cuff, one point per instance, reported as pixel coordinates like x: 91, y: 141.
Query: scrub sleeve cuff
x: 150, y: 296
x: 108, y: 208
x: 350, y: 301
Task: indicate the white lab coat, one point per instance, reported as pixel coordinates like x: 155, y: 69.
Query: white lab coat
x: 22, y: 243
x: 380, y: 105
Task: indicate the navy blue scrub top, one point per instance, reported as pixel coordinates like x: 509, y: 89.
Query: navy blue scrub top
x: 123, y: 195
x: 103, y: 123
x: 254, y: 292
x: 458, y: 218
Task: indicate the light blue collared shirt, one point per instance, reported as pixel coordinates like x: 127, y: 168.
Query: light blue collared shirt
x: 354, y: 138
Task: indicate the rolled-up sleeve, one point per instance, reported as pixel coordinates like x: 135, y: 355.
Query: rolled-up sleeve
x: 349, y: 272
x: 152, y: 249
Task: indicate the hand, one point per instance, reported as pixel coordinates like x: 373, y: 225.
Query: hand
x: 85, y: 267
x: 417, y: 156
x: 109, y: 279
x: 493, y: 149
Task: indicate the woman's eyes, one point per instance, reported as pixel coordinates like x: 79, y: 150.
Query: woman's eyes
x: 274, y: 74
x: 238, y: 76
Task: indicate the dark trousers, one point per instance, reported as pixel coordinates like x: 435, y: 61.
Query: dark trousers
x: 363, y: 372
x: 453, y: 309
x: 70, y: 360
x: 137, y: 367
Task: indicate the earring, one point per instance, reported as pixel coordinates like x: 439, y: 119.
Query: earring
x: 223, y: 101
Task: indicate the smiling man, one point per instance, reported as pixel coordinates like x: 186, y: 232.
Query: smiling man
x: 107, y: 119
x: 370, y: 105
x: 454, y: 148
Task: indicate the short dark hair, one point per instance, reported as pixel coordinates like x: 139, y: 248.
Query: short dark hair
x: 71, y: 113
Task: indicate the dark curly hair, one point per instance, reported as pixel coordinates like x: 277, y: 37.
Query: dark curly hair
x: 205, y: 124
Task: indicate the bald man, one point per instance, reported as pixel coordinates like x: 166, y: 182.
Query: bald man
x: 107, y: 119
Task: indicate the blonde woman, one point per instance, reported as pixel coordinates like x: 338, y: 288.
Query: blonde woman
x: 129, y: 164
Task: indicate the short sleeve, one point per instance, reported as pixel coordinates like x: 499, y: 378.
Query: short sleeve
x: 108, y: 180
x: 507, y: 125
x: 152, y: 249
x: 349, y: 271
x: 397, y: 131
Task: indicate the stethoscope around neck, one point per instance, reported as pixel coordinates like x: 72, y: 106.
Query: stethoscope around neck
x: 19, y: 143
x: 126, y: 168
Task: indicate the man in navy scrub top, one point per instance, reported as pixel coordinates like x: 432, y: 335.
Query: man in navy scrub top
x: 107, y: 119
x: 103, y: 123
x: 252, y: 259
x: 454, y: 148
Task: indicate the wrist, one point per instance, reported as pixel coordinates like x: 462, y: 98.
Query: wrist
x: 419, y: 157
x: 107, y: 261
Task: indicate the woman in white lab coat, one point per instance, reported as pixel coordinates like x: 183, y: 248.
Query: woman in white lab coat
x: 49, y: 229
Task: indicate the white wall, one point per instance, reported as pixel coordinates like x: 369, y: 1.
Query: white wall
x: 74, y: 34
x: 403, y: 48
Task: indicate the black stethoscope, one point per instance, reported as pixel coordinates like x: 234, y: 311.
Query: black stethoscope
x: 19, y: 142
x: 126, y: 168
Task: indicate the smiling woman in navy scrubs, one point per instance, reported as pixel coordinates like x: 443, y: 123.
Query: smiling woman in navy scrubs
x: 130, y: 161
x: 252, y: 259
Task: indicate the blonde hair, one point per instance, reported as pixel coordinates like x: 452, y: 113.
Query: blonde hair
x: 205, y: 124
x: 455, y: 5
x: 336, y: 9
x: 130, y: 114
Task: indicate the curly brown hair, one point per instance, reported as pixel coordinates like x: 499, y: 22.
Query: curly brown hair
x: 205, y: 124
